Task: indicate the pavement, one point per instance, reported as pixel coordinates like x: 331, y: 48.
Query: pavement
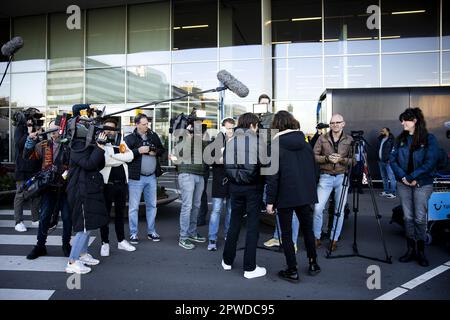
x: 163, y: 270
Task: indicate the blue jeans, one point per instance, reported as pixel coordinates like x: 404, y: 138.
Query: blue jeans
x: 388, y: 176
x: 135, y: 189
x: 191, y: 187
x: 414, y: 202
x: 214, y: 221
x: 48, y: 202
x: 295, y: 228
x: 328, y: 183
x: 79, y: 245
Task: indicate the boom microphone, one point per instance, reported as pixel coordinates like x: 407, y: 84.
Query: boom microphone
x: 12, y: 46
x: 232, y: 83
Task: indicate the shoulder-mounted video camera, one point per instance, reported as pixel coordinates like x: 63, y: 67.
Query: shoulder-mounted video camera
x: 182, y: 121
x: 21, y: 118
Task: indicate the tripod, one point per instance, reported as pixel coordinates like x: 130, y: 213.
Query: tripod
x: 357, y: 143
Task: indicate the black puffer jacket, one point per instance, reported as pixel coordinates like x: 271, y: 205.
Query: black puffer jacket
x: 241, y: 161
x: 134, y: 142
x: 295, y: 182
x: 85, y: 188
x: 25, y: 167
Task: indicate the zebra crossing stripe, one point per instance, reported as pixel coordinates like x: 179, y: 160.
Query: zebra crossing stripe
x: 25, y: 294
x: 12, y: 224
x: 21, y: 263
x: 31, y: 240
x: 11, y: 212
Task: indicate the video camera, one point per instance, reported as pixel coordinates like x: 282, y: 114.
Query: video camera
x: 182, y: 121
x: 22, y: 117
x: 357, y: 135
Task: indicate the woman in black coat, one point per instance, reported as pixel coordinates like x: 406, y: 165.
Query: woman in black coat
x: 293, y: 188
x: 86, y: 200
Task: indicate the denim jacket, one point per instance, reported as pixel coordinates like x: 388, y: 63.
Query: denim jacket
x: 424, y: 158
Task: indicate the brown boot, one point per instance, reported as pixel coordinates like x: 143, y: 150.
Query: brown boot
x: 333, y: 245
x: 318, y: 243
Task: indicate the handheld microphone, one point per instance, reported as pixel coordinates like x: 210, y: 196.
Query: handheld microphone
x: 232, y: 83
x: 12, y: 46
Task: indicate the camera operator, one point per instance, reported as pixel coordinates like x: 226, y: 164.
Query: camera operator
x: 85, y: 195
x: 25, y: 167
x: 115, y: 177
x: 142, y: 173
x: 332, y: 152
x: 54, y: 198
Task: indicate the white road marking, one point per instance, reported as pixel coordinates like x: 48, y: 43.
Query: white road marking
x: 392, y: 294
x: 12, y: 223
x: 31, y: 240
x: 25, y: 294
x: 11, y: 212
x: 21, y: 263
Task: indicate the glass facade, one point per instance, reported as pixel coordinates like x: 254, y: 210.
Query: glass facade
x: 292, y: 50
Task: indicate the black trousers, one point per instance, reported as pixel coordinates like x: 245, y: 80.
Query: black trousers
x: 116, y: 193
x: 305, y: 217
x: 201, y: 218
x: 245, y: 202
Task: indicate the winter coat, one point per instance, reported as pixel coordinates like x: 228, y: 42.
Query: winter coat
x: 115, y: 160
x: 424, y: 160
x: 220, y: 185
x: 324, y: 147
x: 85, y: 188
x: 134, y: 142
x: 295, y: 182
x: 387, y: 147
x: 25, y: 167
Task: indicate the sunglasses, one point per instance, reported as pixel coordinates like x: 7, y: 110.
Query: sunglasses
x: 336, y: 123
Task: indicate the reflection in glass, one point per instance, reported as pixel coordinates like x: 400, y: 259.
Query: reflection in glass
x: 299, y: 79
x: 446, y: 67
x: 240, y: 29
x: 445, y: 24
x: 4, y: 135
x: 105, y: 85
x: 65, y: 50
x: 161, y: 127
x: 149, y: 33
x: 303, y: 111
x: 31, y: 57
x: 28, y: 89
x: 194, y: 26
x: 352, y: 72
x: 346, y: 28
x: 105, y: 40
x: 5, y: 89
x: 409, y: 25
x: 192, y: 77
x: 148, y: 83
x: 419, y: 69
x: 65, y: 87
x: 297, y: 23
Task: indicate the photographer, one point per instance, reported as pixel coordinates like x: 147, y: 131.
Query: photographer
x: 332, y: 152
x: 55, y: 157
x: 85, y: 195
x: 142, y: 173
x: 115, y: 177
x: 26, y: 123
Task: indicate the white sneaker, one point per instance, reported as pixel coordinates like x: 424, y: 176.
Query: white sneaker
x: 391, y: 196
x: 89, y: 260
x: 20, y: 227
x: 225, y: 266
x: 124, y: 245
x: 35, y: 224
x: 77, y: 267
x: 104, y: 251
x: 383, y: 194
x: 258, y: 272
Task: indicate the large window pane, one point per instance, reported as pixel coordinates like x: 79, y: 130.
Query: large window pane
x: 303, y: 111
x: 240, y: 29
x: 298, y: 23
x: 352, y: 72
x: 4, y: 91
x: 4, y: 37
x: 409, y: 25
x: 66, y: 47
x: 299, y: 79
x: 149, y: 33
x: 65, y: 87
x: 148, y: 83
x: 446, y: 67
x: 446, y: 24
x: 28, y: 89
x: 4, y: 135
x: 105, y: 85
x: 33, y: 32
x: 194, y: 30
x: 194, y: 77
x: 419, y: 69
x: 346, y: 27
x: 106, y: 40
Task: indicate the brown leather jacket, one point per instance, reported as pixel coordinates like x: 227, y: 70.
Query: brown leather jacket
x: 324, y: 148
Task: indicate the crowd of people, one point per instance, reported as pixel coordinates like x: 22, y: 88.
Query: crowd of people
x: 91, y: 177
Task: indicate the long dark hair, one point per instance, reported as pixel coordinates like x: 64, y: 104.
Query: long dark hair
x: 284, y: 120
x: 420, y: 132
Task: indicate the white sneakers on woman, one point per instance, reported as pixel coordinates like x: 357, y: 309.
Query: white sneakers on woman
x: 123, y: 245
x: 77, y: 267
x: 258, y: 272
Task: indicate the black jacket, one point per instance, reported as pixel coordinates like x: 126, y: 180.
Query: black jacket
x: 220, y: 186
x: 387, y: 148
x: 295, y: 182
x: 25, y: 167
x: 247, y: 173
x: 85, y: 187
x: 134, y: 142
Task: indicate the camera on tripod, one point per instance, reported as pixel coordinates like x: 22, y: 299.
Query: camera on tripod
x: 357, y: 135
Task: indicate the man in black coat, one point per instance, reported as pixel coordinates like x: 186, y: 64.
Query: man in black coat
x: 142, y: 173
